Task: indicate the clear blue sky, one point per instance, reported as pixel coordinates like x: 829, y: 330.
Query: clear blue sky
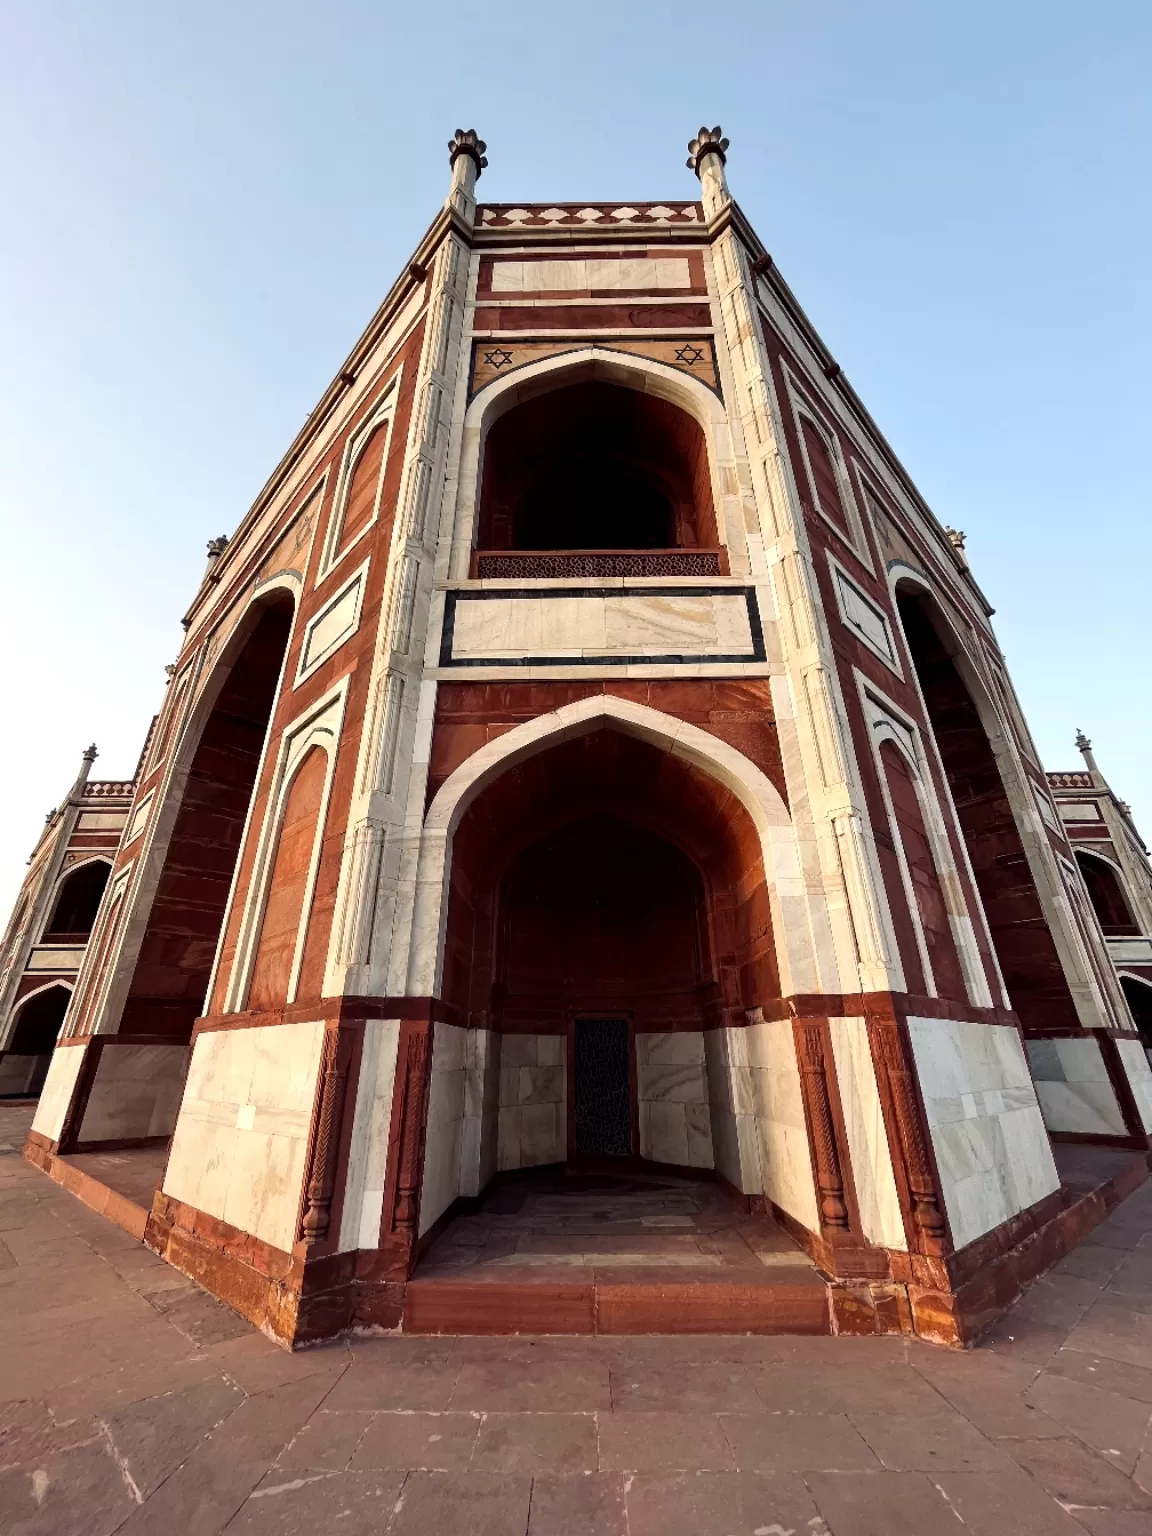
x: 202, y: 206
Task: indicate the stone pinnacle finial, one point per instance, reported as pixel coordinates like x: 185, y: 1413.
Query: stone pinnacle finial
x: 466, y: 141
x: 707, y: 154
x: 467, y: 159
x: 90, y: 753
x: 1085, y: 747
x: 87, y: 758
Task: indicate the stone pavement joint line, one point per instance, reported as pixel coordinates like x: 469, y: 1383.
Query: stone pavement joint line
x: 131, y: 1401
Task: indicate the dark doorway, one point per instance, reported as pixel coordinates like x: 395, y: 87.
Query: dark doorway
x: 601, y: 1090
x: 1139, y: 997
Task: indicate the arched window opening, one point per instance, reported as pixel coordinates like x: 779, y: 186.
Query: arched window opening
x: 170, y: 980
x: 824, y: 481
x: 596, y: 467
x: 78, y: 902
x: 1025, y: 948
x: 1106, y: 894
x: 24, y: 1065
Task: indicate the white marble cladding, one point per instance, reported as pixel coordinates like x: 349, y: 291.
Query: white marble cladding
x: 49, y: 958
x: 241, y: 1139
x: 371, y: 1128
x: 872, y: 1174
x: 992, y: 1150
x: 1073, y: 1087
x: 1136, y: 1065
x: 56, y: 1095
x: 136, y: 1093
x: 672, y: 1089
x: 642, y: 274
x: 533, y: 1125
x: 759, y: 1134
x: 460, y: 1140
x: 602, y: 624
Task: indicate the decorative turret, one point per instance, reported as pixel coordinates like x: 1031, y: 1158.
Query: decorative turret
x: 707, y: 156
x: 1085, y: 748
x: 216, y: 548
x: 467, y: 159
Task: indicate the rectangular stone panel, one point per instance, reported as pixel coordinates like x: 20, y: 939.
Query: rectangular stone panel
x: 591, y: 626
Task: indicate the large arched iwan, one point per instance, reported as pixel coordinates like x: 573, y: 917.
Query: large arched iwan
x: 288, y: 884
x: 172, y: 972
x: 606, y: 873
x: 1024, y: 944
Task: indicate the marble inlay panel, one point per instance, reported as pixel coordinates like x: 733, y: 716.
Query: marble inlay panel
x: 241, y: 1138
x: 136, y: 1093
x: 875, y: 1181
x: 1135, y: 1060
x: 991, y: 1147
x: 532, y: 1126
x: 1073, y: 1086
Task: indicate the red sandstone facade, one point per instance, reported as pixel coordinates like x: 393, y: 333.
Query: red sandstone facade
x: 590, y: 746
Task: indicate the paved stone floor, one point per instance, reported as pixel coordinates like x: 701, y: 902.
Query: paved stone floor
x: 132, y: 1402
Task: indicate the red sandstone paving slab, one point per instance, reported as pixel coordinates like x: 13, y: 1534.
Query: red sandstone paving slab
x: 327, y: 1443
x: 705, y: 1388
x: 462, y: 1504
x: 1117, y: 1333
x: 574, y: 1386
x: 351, y: 1503
x: 256, y: 1365
x: 77, y: 1492
x: 997, y: 1410
x: 1074, y: 1475
x: 929, y: 1443
x: 429, y: 1442
x: 1112, y: 1522
x: 409, y: 1384
x: 151, y: 1438
x: 829, y: 1387
x: 719, y: 1504
x: 536, y: 1442
x: 200, y: 1317
x: 205, y: 1492
x: 1096, y: 1371
x: 663, y: 1442
x: 1114, y: 1426
x: 1005, y: 1503
x: 131, y: 1382
x: 880, y: 1504
x: 800, y: 1442
x: 580, y: 1504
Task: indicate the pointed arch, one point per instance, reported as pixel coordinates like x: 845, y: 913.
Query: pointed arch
x: 754, y: 790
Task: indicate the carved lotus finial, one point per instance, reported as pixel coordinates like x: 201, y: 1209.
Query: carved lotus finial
x: 217, y: 546
x: 466, y: 141
x: 1082, y: 742
x: 709, y: 141
x: 955, y: 537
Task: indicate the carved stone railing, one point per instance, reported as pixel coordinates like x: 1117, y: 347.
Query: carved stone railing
x: 548, y: 565
x: 1070, y: 780
x: 109, y: 788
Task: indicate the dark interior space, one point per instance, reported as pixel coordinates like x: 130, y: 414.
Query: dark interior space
x: 78, y: 902
x: 37, y: 1026
x: 596, y: 466
x: 1106, y: 895
x: 1139, y: 996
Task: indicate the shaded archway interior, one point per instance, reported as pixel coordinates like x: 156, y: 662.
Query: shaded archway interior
x: 604, y: 874
x: 78, y: 901
x: 596, y: 466
x: 1106, y: 894
x: 1138, y: 995
x: 38, y: 1024
x: 171, y: 975
x: 1024, y: 946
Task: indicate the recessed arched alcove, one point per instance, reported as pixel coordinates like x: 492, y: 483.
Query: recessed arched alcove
x: 1025, y: 949
x: 605, y: 881
x: 596, y: 466
x: 37, y: 1024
